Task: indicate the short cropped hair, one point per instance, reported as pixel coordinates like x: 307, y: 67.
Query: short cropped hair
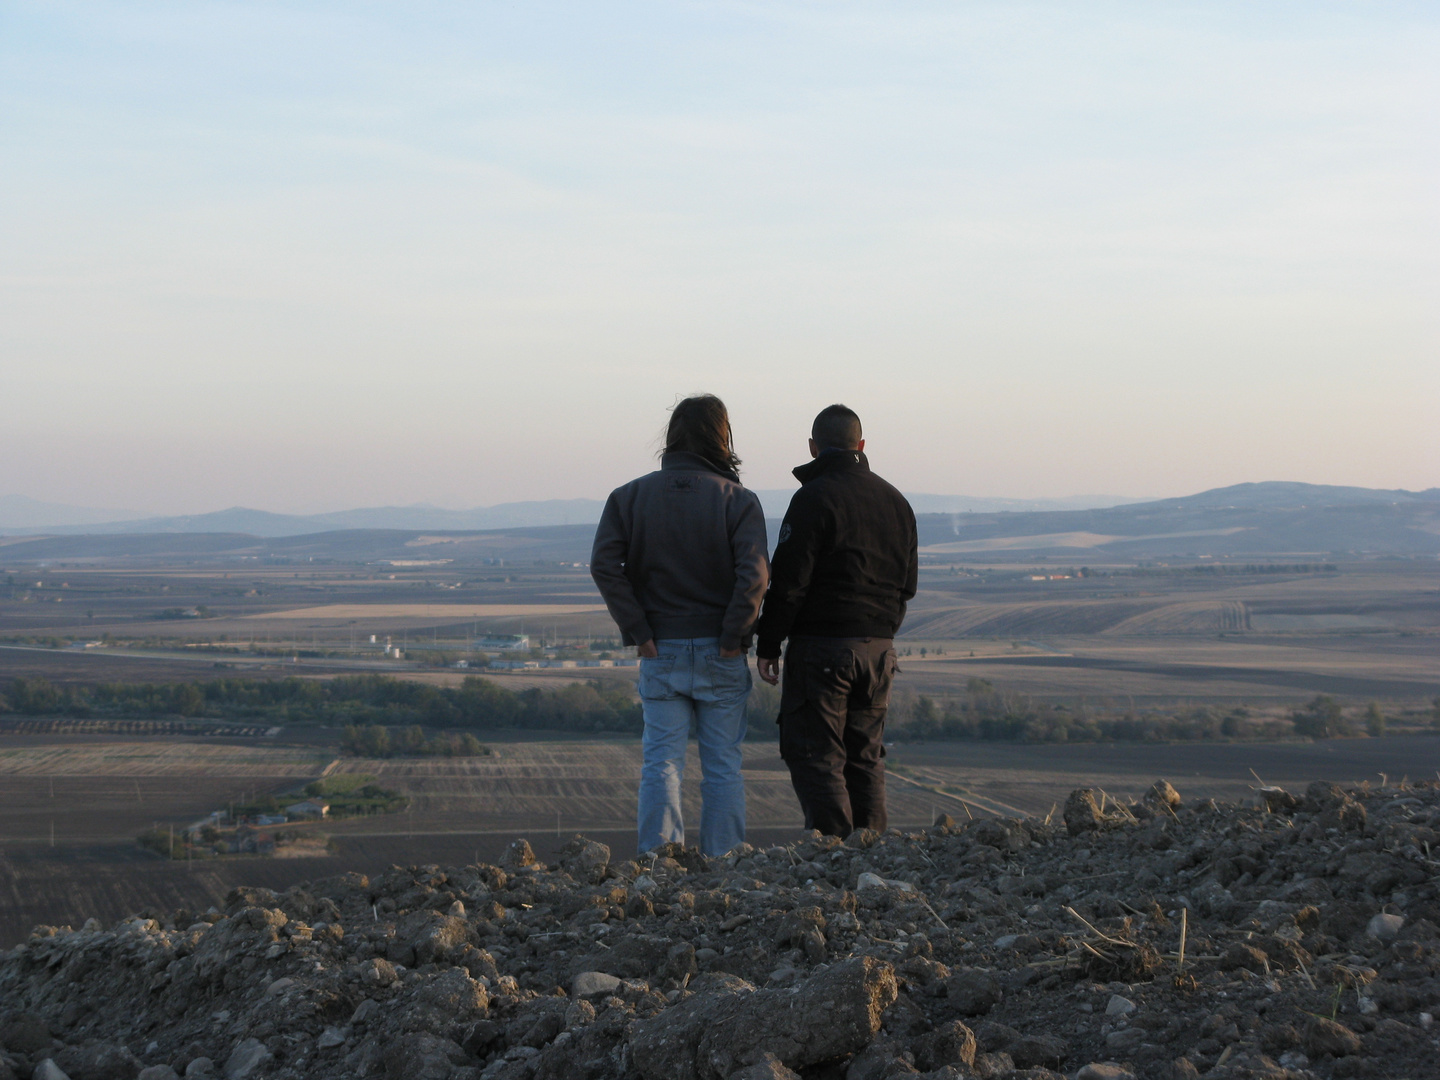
x: 837, y: 427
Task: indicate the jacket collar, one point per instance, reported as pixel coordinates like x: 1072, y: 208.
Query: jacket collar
x: 684, y: 461
x: 829, y: 461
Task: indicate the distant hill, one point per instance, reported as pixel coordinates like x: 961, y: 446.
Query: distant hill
x: 775, y: 502
x: 1284, y: 495
x: 19, y: 515
x: 1272, y: 521
x: 239, y: 519
x: 1266, y: 520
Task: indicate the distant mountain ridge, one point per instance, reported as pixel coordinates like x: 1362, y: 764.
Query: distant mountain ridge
x: 977, y: 518
x: 21, y: 515
x: 264, y: 523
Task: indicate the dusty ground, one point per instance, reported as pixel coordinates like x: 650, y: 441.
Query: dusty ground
x: 1167, y: 939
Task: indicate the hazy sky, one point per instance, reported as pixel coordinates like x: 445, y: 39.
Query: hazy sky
x: 305, y: 256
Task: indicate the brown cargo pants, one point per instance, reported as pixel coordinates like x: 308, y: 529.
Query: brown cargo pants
x: 832, y: 729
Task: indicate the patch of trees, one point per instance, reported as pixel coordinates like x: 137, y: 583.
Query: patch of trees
x: 375, y: 741
x: 355, y: 700
x: 1323, y: 718
x: 986, y: 714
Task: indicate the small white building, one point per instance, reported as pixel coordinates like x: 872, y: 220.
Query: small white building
x: 308, y: 808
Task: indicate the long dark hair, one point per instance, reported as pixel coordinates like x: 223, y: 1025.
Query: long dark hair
x: 701, y: 425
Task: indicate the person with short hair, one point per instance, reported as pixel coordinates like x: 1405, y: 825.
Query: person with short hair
x: 680, y: 559
x: 844, y: 568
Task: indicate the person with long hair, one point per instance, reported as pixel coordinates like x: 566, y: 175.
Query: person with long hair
x: 680, y: 558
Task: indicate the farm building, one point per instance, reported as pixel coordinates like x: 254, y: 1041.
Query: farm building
x: 308, y: 808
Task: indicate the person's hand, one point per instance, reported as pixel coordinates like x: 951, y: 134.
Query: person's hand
x: 769, y: 670
x: 647, y: 650
x: 729, y: 654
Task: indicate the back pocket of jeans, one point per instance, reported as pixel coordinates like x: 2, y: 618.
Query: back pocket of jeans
x: 655, y: 678
x: 729, y: 674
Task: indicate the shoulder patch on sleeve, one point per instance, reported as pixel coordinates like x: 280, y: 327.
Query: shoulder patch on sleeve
x: 784, y: 534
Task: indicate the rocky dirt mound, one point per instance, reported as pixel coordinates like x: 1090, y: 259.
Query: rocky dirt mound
x: 1293, y: 939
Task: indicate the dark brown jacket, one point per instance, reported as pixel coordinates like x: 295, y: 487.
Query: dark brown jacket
x: 680, y: 553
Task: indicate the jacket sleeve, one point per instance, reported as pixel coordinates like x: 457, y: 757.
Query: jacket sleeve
x: 607, y: 568
x: 912, y: 573
x: 748, y: 546
x: 792, y: 567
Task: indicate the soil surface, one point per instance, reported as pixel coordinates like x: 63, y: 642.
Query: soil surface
x: 1288, y: 939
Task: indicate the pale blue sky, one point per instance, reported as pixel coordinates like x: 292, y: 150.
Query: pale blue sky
x: 312, y: 255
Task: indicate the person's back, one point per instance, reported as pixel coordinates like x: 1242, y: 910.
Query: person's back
x: 668, y: 534
x: 845, y: 566
x: 679, y: 557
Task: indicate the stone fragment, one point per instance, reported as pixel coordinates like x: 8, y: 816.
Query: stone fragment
x: 158, y: 1072
x: 1105, y: 1070
x: 593, y: 983
x: 1325, y: 1036
x: 330, y: 1038
x: 1003, y: 834
x: 1119, y: 1006
x: 1278, y: 800
x: 994, y: 1065
x: 949, y: 1044
x: 422, y: 1056
x: 448, y: 998
x: 201, y: 1068
x: 378, y: 972
x: 26, y: 1034
x: 1125, y: 1038
x: 1213, y: 899
x: 248, y: 1059
x: 579, y: 1013
x: 1179, y: 1069
x: 769, y: 1069
x: 867, y: 880
x: 972, y: 991
x: 1082, y: 812
x: 585, y: 860
x: 711, y: 1035
x: 1385, y: 926
x: 48, y: 1070
x: 1240, y: 955
x: 1162, y: 791
x: 365, y: 1011
x: 98, y: 1060
x: 519, y: 853
x: 1029, y: 1051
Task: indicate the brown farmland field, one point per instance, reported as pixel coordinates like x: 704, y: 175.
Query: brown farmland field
x: 105, y: 791
x: 1125, y: 636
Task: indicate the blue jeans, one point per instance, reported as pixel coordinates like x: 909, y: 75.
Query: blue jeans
x: 691, y: 681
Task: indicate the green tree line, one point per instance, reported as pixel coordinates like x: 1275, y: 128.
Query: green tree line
x: 359, y: 700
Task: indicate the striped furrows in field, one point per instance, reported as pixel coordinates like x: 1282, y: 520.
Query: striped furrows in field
x: 590, y: 786
x: 1187, y: 617
x: 151, y: 758
x: 1065, y: 617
